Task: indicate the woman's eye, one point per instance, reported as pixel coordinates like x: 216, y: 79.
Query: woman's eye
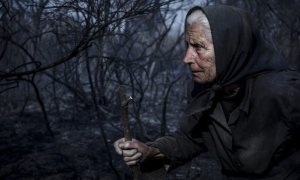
x: 197, y: 46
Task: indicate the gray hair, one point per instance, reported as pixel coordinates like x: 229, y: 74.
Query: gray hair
x: 198, y: 17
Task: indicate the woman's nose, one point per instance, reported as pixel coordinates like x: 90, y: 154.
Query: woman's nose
x: 189, y: 56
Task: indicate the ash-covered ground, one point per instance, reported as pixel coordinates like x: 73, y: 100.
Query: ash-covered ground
x: 77, y: 151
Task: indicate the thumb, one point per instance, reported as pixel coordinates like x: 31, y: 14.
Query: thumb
x: 117, y: 146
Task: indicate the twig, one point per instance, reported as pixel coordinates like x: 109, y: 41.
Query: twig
x: 126, y: 128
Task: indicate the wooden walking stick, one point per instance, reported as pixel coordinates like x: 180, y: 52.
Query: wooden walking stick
x: 126, y: 128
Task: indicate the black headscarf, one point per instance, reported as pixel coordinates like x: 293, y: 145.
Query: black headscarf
x: 240, y: 52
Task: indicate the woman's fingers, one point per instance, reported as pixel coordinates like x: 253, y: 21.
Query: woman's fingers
x: 132, y: 151
x: 132, y: 160
x: 129, y: 152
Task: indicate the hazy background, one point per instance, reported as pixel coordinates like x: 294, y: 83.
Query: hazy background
x: 61, y: 65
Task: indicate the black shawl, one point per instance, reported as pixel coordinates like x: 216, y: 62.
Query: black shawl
x: 240, y: 53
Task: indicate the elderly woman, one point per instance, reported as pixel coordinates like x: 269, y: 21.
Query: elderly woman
x: 244, y: 105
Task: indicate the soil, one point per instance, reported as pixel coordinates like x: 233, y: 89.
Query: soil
x: 76, y: 152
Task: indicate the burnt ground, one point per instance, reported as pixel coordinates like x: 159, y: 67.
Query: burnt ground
x: 76, y: 152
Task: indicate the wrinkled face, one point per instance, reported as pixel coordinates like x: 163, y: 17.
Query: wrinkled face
x: 199, y: 55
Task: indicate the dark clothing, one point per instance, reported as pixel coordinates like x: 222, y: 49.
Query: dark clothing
x: 258, y: 135
x: 260, y: 139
